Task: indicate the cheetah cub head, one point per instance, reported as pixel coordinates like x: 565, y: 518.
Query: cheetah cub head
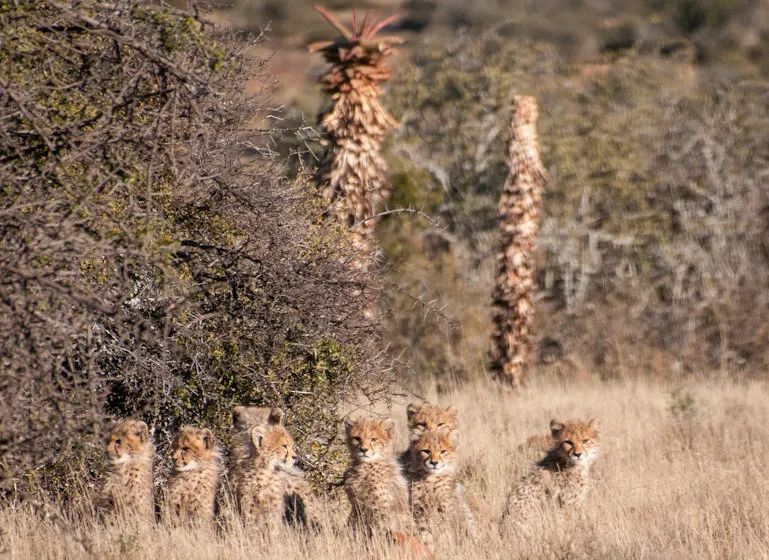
x: 574, y: 442
x: 428, y: 417
x: 128, y: 440
x: 192, y: 447
x: 246, y: 417
x: 369, y: 438
x: 436, y: 451
x: 274, y: 446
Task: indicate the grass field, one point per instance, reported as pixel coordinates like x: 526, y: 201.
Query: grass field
x: 683, y: 474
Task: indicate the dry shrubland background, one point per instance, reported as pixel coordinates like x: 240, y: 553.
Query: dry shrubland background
x: 653, y: 253
x: 162, y: 255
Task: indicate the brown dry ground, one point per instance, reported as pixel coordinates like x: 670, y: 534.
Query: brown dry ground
x: 681, y: 475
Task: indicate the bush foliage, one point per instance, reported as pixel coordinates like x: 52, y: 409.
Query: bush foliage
x: 656, y: 211
x: 147, y: 268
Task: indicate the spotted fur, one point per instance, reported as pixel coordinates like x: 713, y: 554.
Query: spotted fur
x: 374, y: 483
x: 268, y: 485
x: 300, y: 504
x: 563, y: 475
x: 127, y: 489
x: 436, y: 497
x: 427, y: 416
x: 194, y: 482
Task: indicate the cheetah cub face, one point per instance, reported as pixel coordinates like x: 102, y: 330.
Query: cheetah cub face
x: 575, y: 442
x: 192, y: 447
x: 436, y: 451
x: 127, y: 440
x: 428, y: 417
x: 369, y: 438
x: 274, y: 446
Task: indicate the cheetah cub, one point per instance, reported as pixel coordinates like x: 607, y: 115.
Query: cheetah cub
x: 261, y: 492
x: 428, y: 416
x: 437, y: 498
x: 193, y: 485
x: 301, y: 505
x: 374, y: 483
x: 563, y: 474
x: 244, y: 419
x: 127, y: 489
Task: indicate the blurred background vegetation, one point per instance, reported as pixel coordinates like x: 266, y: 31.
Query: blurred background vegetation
x: 653, y: 253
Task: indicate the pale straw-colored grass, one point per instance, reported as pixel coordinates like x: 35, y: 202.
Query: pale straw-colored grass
x: 693, y: 483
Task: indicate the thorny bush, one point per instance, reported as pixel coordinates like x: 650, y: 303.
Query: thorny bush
x: 146, y: 266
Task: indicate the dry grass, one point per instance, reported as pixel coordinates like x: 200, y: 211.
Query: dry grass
x: 681, y: 476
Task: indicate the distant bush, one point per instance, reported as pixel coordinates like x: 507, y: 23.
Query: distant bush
x: 691, y: 15
x: 145, y: 268
x: 656, y: 205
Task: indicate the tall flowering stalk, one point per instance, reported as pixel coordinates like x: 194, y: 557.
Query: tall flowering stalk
x: 352, y: 172
x: 520, y: 213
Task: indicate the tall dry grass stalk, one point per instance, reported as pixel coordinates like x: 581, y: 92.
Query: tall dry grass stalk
x: 520, y: 213
x: 682, y: 475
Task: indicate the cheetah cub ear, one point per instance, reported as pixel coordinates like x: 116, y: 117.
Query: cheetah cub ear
x: 556, y: 428
x: 208, y: 438
x: 454, y: 439
x: 411, y: 410
x: 257, y: 436
x: 389, y: 426
x: 594, y: 425
x: 348, y: 425
x: 453, y: 413
x: 276, y: 416
x: 143, y: 432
